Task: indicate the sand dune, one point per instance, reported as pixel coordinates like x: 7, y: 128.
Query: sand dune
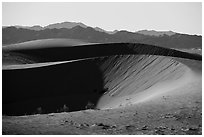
x: 109, y: 75
x: 135, y: 79
x: 45, y: 43
x: 41, y: 51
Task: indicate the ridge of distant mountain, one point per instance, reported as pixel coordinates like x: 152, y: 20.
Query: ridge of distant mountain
x: 61, y: 25
x: 67, y: 25
x: 35, y: 27
x: 102, y: 30
x: 70, y: 25
x: 156, y: 33
x: 16, y: 35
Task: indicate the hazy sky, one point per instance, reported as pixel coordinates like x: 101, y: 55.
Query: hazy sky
x: 178, y: 17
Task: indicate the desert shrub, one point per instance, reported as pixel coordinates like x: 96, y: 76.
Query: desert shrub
x: 39, y: 110
x: 65, y: 108
x: 90, y: 105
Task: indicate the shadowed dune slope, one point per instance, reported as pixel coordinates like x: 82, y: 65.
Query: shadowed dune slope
x: 108, y: 75
x: 51, y: 87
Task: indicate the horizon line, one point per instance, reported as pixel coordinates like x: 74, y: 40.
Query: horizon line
x: 14, y: 25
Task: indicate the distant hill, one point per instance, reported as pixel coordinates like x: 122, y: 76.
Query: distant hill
x: 102, y: 30
x: 156, y: 33
x: 88, y: 34
x: 67, y: 25
x: 36, y: 27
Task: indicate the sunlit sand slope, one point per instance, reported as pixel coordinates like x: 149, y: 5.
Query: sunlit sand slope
x: 134, y: 79
x: 45, y: 43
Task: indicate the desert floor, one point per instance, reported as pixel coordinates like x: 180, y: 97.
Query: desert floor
x: 165, y: 115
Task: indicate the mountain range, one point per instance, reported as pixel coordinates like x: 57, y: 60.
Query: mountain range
x: 67, y: 25
x: 77, y: 30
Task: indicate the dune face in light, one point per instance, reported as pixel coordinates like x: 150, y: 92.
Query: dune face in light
x: 109, y: 75
x: 45, y: 43
x: 140, y: 78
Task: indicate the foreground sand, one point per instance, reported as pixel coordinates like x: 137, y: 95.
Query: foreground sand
x: 177, y: 112
x: 181, y: 115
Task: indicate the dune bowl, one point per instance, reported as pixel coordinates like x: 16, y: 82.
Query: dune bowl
x: 51, y: 73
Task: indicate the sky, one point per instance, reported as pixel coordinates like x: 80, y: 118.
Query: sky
x: 180, y: 17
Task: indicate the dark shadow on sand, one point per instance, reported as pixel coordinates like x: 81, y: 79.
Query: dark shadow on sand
x: 74, y: 84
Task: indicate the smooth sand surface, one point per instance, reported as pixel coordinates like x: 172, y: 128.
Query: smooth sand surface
x: 45, y: 43
x: 148, y: 80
